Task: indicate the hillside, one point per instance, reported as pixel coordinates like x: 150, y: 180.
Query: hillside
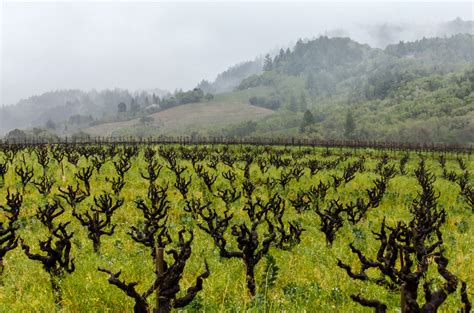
x: 421, y: 91
x: 184, y: 119
x: 59, y: 106
x: 328, y: 88
x: 231, y: 78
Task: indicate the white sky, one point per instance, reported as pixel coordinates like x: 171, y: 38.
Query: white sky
x: 169, y: 45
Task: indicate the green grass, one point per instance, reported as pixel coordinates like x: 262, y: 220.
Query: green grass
x: 225, y: 109
x: 308, y: 278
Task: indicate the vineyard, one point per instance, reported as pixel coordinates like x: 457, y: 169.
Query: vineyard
x: 235, y: 227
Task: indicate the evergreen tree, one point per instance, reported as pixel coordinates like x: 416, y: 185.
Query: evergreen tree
x: 311, y: 83
x: 281, y: 53
x: 205, y: 86
x: 299, y: 45
x: 156, y: 99
x: 267, y: 63
x: 308, y: 120
x: 303, y: 102
x: 293, y: 104
x: 349, y: 125
x: 121, y: 107
x: 279, y: 57
x: 50, y: 124
x: 209, y: 96
x: 134, y: 106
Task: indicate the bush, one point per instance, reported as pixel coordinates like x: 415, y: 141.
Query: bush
x: 146, y: 119
x: 269, y: 103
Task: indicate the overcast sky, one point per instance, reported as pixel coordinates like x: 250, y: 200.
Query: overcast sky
x: 86, y: 45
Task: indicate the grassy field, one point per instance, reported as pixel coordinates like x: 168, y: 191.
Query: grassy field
x: 308, y: 278
x: 218, y: 113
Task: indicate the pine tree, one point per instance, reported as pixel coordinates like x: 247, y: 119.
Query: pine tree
x: 281, y: 54
x: 121, y: 107
x: 279, y: 58
x: 311, y: 83
x: 267, y: 63
x: 293, y: 104
x: 349, y: 126
x: 156, y: 99
x: 50, y: 124
x: 308, y: 119
x: 303, y: 102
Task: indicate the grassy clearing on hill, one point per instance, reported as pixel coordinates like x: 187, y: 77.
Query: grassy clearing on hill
x: 181, y: 119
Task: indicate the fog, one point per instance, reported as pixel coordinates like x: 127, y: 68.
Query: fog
x: 85, y: 45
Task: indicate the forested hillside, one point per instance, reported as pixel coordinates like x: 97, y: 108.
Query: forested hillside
x: 73, y: 106
x: 329, y: 88
x: 232, y: 77
x: 419, y: 91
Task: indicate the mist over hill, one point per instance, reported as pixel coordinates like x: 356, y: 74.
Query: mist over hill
x: 59, y: 106
x: 411, y: 91
x: 406, y: 89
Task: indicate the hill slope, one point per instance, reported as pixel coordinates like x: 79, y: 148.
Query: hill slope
x: 329, y: 88
x: 419, y: 91
x: 184, y: 119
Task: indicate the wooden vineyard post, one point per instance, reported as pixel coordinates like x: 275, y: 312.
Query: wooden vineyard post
x: 1, y: 272
x: 159, y: 267
x: 403, y: 300
x: 403, y: 304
